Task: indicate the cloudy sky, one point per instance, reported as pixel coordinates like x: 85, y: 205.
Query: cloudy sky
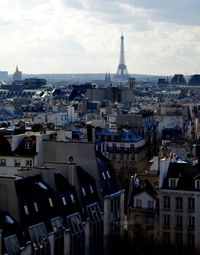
x: 83, y: 36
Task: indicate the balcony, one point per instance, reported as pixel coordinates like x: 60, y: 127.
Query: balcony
x: 179, y: 226
x: 120, y: 150
x: 165, y: 226
x: 144, y: 210
x: 191, y: 228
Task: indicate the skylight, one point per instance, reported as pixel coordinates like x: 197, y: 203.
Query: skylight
x: 9, y: 220
x: 64, y: 201
x: 72, y: 198
x: 41, y: 185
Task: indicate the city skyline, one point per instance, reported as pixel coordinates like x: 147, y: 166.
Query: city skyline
x: 83, y: 36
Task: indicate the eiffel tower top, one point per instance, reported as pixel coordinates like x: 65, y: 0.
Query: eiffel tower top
x: 122, y: 71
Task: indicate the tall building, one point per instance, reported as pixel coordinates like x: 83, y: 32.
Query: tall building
x: 3, y: 76
x: 17, y: 76
x: 122, y: 71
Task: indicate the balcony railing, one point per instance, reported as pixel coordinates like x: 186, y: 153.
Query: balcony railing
x: 123, y: 150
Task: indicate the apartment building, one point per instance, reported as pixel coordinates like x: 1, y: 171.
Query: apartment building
x: 179, y: 203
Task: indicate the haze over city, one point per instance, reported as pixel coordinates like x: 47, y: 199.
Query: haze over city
x: 83, y: 36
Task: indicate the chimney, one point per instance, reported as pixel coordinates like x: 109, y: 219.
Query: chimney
x: 48, y: 175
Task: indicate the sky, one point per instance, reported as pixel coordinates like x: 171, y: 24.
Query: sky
x: 161, y: 37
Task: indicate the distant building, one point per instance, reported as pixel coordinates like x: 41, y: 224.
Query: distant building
x: 194, y: 80
x: 162, y: 82
x: 3, y: 76
x: 178, y: 79
x: 17, y: 76
x: 114, y: 94
x: 108, y: 81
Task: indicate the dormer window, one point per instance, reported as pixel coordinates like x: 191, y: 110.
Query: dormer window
x: 36, y: 206
x: 104, y: 175
x: 83, y: 191
x: 28, y: 145
x: 26, y: 209
x: 64, y: 201
x: 173, y: 183
x: 72, y: 198
x: 197, y: 184
x: 50, y: 202
x: 91, y: 189
x: 108, y: 174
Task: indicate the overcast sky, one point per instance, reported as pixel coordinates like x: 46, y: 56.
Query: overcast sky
x: 83, y: 36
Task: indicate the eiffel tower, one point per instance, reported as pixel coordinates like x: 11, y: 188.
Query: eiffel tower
x: 122, y: 72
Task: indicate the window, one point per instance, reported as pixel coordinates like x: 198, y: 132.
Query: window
x: 132, y: 146
x: 166, y: 221
x: 94, y: 213
x: 114, y: 146
x: 166, y: 202
x: 2, y: 162
x: 17, y: 162
x: 191, y: 204
x: 50, y: 202
x: 36, y: 206
x: 12, y: 244
x: 113, y: 156
x: 75, y: 223
x: 138, y: 203
x: 91, y: 189
x: 108, y: 174
x: 64, y: 201
x: 122, y: 156
x: 115, y: 208
x: 191, y: 240
x: 197, y: 184
x: 57, y: 224
x: 166, y: 237
x: 172, y: 183
x: 179, y: 221
x: 77, y: 233
x: 83, y: 191
x: 191, y: 222
x: 150, y: 204
x: 179, y: 203
x: 29, y: 162
x: 132, y: 156
x: 72, y: 198
x: 26, y: 209
x: 122, y: 146
x: 38, y: 233
x: 179, y: 238
x: 104, y: 175
x: 27, y: 145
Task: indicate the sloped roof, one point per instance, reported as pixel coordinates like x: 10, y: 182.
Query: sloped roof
x: 184, y: 172
x: 87, y: 187
x: 108, y: 179
x: 67, y: 196
x: 22, y: 150
x: 33, y: 192
x: 5, y: 147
